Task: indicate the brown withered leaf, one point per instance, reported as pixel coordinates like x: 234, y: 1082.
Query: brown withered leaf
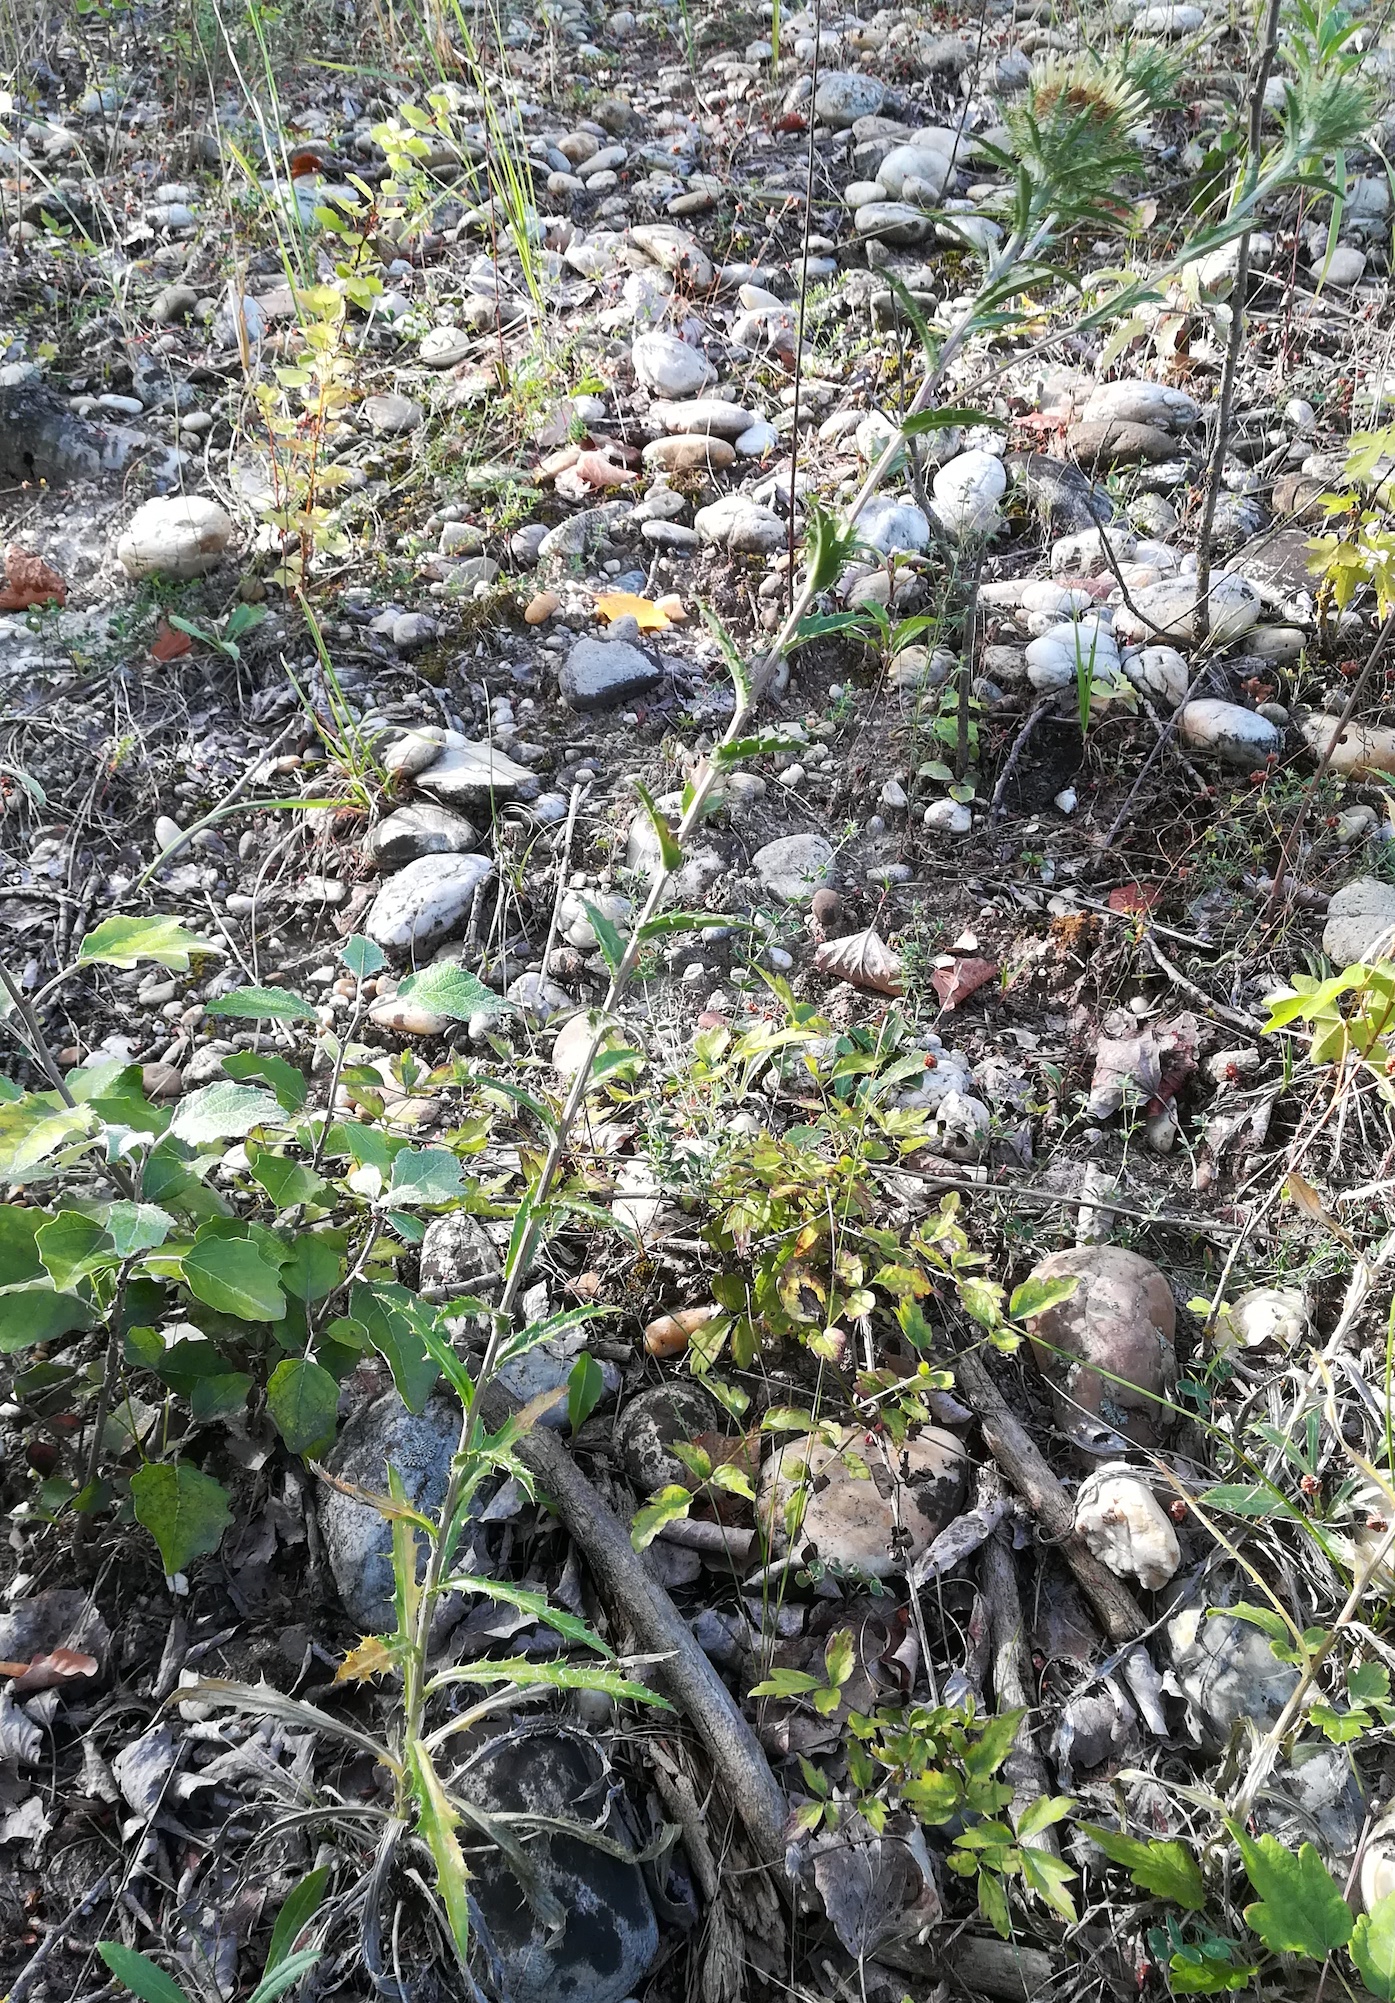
x: 955, y: 984
x: 45, y: 1672
x: 863, y: 959
x: 30, y: 581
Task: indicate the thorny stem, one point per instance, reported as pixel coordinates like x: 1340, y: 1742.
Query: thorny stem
x: 1202, y: 622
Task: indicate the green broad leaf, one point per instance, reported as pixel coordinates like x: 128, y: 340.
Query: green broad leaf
x: 1193, y: 1973
x: 139, y: 1974
x: 994, y: 1743
x: 298, y: 1908
x: 735, y: 1480
x: 136, y: 1227
x: 125, y: 942
x: 1036, y: 1296
x: 788, y: 1419
x: 1368, y: 1683
x: 536, y: 1604
x: 263, y: 1005
x: 448, y: 989
x: 231, y: 1275
x: 670, y: 850
x: 288, y: 1183
x: 1300, y: 1909
x: 72, y: 1246
x: 220, y: 1395
x: 384, y: 1313
x: 303, y: 1400
x: 362, y: 957
x: 1373, y: 1947
x: 584, y: 1387
x: 290, y: 1085
x: 839, y: 1657
x: 943, y: 420
x: 1265, y: 1619
x: 19, y: 1256
x: 668, y: 1505
x: 224, y: 1112
x: 316, y: 1264
x: 37, y: 1313
x: 185, y: 1511
x: 425, y: 1175
x: 607, y: 934
x: 1166, y: 1869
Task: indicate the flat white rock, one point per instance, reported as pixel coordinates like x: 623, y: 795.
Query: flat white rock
x: 426, y: 901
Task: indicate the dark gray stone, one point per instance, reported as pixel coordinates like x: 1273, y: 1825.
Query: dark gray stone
x: 1065, y: 499
x: 420, y: 829
x: 601, y: 674
x: 653, y: 1421
x: 41, y: 439
x: 610, y: 1936
x: 358, y: 1540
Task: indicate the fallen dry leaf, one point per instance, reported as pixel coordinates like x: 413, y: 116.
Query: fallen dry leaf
x: 955, y: 984
x: 29, y: 581
x: 43, y: 1672
x: 169, y: 643
x: 621, y: 604
x: 862, y: 959
x: 598, y: 469
x: 1133, y: 899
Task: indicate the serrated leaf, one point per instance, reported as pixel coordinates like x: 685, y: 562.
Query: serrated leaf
x: 670, y: 852
x: 448, y: 989
x: 1166, y: 1869
x: 185, y: 1511
x: 263, y: 1005
x: 943, y: 420
x: 1373, y: 1947
x: 536, y: 1604
x: 529, y: 1673
x: 438, y: 1822
x: 384, y: 1313
x: 224, y: 1112
x: 1300, y: 1909
x: 372, y: 1657
x: 303, y: 1400
x: 125, y: 942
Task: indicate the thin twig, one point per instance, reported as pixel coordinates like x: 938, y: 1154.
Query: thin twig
x: 1202, y: 622
x: 1019, y: 745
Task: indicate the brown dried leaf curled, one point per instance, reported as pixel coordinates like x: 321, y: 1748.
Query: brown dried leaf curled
x: 862, y: 959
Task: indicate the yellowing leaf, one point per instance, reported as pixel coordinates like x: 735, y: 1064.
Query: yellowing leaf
x: 372, y: 1657
x: 622, y: 604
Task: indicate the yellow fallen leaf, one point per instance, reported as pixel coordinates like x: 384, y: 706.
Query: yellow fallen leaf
x: 621, y: 604
x: 372, y: 1657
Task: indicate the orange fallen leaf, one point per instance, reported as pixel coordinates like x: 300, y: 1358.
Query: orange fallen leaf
x: 1132, y: 899
x: 623, y: 604
x: 169, y: 643
x: 29, y: 581
x: 43, y: 1672
x: 955, y: 984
